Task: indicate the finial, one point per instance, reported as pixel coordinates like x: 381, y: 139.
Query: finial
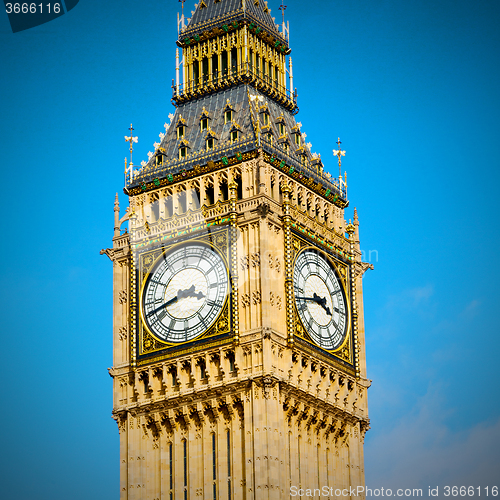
x: 131, y: 140
x: 180, y: 20
x: 117, y: 217
x: 285, y: 188
x: 339, y: 153
x: 282, y: 7
x: 356, y: 220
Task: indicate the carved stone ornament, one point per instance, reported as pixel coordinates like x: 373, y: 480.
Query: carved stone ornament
x: 264, y: 210
x: 123, y: 333
x: 255, y: 257
x: 245, y: 300
x: 256, y: 298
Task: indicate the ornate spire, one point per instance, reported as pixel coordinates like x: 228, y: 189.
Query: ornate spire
x: 356, y: 225
x: 211, y: 15
x: 131, y: 140
x: 339, y: 153
x: 117, y: 216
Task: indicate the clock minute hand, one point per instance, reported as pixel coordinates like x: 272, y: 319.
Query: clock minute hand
x: 319, y: 300
x: 165, y: 304
x: 306, y: 298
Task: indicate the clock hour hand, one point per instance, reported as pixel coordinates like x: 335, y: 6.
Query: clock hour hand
x: 319, y: 300
x: 322, y: 302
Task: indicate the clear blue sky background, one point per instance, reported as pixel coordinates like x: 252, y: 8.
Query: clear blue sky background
x: 412, y: 89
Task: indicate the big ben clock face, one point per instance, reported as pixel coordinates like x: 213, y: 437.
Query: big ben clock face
x: 320, y: 300
x: 184, y: 293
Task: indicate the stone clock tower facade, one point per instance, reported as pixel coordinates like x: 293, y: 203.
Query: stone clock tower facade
x: 238, y: 334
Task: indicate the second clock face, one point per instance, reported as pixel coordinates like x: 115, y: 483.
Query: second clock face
x: 185, y: 293
x: 320, y: 300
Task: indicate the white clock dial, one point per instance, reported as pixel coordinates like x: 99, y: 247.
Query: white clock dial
x: 185, y: 293
x: 320, y: 300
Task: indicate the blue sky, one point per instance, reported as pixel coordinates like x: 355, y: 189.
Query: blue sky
x: 411, y: 88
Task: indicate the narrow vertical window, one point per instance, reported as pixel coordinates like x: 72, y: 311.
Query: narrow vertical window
x: 215, y: 66
x: 290, y: 457
x: 224, y: 62
x: 204, y: 69
x: 239, y: 191
x: 234, y: 60
x: 327, y: 467
x: 214, y: 468
x: 204, y: 124
x: 184, y: 445
x: 196, y: 73
x: 298, y: 461
x: 234, y: 136
x: 228, y: 465
x: 228, y: 116
x: 171, y: 471
x: 317, y: 461
x: 182, y: 152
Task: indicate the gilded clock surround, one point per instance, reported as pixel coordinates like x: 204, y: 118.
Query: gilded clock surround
x: 148, y: 343
x: 252, y: 406
x: 344, y: 352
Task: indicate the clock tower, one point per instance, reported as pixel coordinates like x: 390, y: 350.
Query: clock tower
x: 238, y: 332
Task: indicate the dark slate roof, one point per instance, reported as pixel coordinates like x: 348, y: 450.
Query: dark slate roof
x: 215, y: 104
x: 213, y: 10
x: 216, y: 13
